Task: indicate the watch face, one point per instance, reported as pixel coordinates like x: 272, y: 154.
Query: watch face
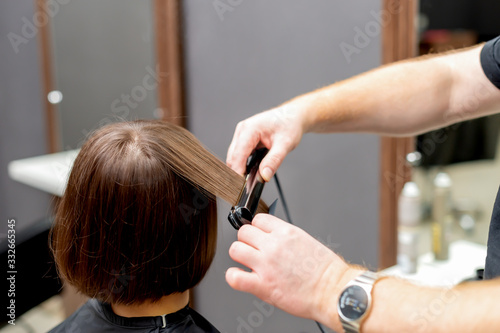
x: 353, y: 302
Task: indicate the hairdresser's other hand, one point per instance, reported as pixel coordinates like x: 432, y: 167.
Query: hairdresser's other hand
x: 289, y: 269
x: 279, y: 130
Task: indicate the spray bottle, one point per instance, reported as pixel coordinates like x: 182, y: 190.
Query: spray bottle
x: 409, y: 218
x: 442, y: 216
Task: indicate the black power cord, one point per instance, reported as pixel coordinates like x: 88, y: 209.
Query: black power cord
x: 287, y: 213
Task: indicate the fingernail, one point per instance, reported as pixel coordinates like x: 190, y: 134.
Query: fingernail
x: 267, y: 173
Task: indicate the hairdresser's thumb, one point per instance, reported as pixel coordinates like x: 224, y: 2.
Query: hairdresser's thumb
x: 267, y: 173
x: 271, y: 163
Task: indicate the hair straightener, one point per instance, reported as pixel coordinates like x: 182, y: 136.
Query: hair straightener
x: 248, y: 200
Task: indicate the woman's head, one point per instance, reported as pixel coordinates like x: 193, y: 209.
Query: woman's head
x: 138, y: 218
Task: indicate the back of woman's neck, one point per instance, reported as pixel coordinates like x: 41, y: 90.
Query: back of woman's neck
x: 167, y: 304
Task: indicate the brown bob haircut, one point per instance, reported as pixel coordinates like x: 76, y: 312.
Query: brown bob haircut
x: 138, y: 220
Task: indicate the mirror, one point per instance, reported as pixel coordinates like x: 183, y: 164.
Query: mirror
x: 468, y: 152
x: 114, y: 41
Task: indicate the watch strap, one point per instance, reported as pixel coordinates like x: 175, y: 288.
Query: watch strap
x: 350, y: 328
x: 367, y: 277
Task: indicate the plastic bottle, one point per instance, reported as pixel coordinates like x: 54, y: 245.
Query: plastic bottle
x: 409, y: 218
x: 441, y: 216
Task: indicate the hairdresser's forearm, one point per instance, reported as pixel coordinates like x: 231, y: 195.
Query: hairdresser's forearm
x: 401, y: 99
x: 392, y: 100
x: 399, y: 306
x: 403, y: 307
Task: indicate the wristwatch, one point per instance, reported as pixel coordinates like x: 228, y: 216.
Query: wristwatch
x: 355, y: 301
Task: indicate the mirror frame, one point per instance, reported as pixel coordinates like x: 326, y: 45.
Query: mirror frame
x: 47, y: 76
x: 399, y: 42
x: 169, y: 56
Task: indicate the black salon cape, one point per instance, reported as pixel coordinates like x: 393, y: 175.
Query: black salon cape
x: 490, y: 60
x: 97, y: 317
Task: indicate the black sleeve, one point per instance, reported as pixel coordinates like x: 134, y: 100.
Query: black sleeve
x: 492, y: 268
x: 490, y: 60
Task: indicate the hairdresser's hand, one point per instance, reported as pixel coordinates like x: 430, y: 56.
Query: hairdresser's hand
x: 279, y: 130
x: 290, y: 269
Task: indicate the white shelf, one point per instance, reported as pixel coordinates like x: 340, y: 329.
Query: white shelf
x: 465, y: 257
x: 48, y: 173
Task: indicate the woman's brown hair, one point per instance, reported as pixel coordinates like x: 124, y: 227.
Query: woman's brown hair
x: 138, y: 219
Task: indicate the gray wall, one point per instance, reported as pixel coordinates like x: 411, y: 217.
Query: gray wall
x: 253, y: 58
x: 22, y: 124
